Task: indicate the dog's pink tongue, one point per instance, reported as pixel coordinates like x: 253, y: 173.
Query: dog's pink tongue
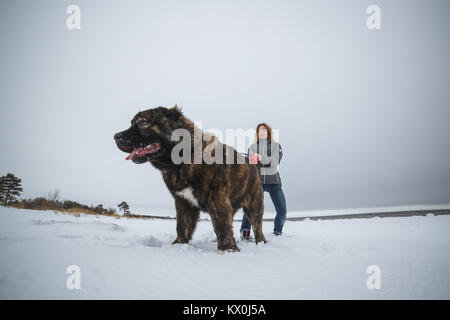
x: 133, y: 154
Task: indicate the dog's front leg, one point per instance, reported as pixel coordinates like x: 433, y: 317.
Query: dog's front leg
x: 187, y: 218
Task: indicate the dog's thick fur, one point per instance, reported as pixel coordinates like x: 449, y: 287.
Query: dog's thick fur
x: 218, y: 189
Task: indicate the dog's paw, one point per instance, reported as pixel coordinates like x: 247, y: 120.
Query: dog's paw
x: 180, y: 241
x: 228, y: 250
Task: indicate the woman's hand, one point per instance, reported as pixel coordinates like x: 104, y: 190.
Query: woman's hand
x: 254, y: 158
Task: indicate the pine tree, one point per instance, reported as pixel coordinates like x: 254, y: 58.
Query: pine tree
x: 100, y: 209
x: 10, y: 188
x: 124, y: 207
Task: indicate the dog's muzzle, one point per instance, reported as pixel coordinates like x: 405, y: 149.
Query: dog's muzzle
x: 124, y: 142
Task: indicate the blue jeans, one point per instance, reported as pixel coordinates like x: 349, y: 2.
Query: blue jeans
x: 277, y: 196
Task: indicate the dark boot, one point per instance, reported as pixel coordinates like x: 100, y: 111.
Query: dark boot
x: 245, y: 235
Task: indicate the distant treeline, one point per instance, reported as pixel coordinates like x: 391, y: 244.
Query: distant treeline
x: 11, y: 189
x: 42, y: 203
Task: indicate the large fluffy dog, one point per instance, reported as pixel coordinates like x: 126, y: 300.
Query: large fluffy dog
x: 217, y: 188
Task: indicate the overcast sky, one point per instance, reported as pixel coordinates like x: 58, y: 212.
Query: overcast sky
x: 363, y: 115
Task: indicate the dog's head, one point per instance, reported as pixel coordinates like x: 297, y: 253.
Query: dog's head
x: 149, y: 136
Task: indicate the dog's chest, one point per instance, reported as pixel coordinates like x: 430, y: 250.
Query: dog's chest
x: 179, y: 185
x: 188, y: 194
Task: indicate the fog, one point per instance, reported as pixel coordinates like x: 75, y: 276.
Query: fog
x: 362, y: 114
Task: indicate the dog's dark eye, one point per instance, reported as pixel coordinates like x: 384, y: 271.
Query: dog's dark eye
x: 141, y: 122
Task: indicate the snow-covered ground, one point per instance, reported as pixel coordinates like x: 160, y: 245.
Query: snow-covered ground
x: 133, y: 258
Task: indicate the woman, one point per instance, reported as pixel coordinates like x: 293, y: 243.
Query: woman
x: 266, y: 154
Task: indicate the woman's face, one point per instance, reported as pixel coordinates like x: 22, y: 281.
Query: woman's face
x: 262, y: 132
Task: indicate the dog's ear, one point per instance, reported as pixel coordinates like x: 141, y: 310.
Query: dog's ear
x: 173, y: 113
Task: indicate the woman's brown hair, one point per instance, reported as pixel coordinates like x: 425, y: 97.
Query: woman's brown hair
x: 269, y: 132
